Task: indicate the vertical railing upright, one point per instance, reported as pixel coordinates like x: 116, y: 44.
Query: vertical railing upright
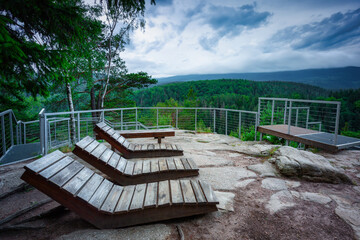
x: 195, y: 120
x: 3, y: 134
x: 157, y: 118
x: 177, y: 118
x: 11, y: 130
x: 226, y: 122
x: 42, y: 124
x: 289, y: 121
x: 272, y: 111
x: 214, y: 120
x: 338, y: 105
x: 239, y: 124
x: 136, y: 118
x: 285, y: 111
x: 78, y: 125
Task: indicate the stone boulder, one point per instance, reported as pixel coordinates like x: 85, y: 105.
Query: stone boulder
x: 292, y: 162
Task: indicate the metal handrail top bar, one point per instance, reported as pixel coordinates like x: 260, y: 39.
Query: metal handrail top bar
x: 300, y: 100
x: 8, y: 111
x: 135, y: 108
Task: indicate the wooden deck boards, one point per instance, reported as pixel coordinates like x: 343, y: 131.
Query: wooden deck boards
x: 296, y: 134
x: 107, y: 205
x: 127, y: 172
x: 131, y: 150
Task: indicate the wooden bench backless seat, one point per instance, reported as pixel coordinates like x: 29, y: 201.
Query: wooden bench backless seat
x: 131, y: 150
x: 126, y: 172
x: 158, y: 134
x: 107, y: 205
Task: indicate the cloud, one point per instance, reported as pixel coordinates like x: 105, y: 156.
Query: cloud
x: 335, y: 31
x: 230, y: 22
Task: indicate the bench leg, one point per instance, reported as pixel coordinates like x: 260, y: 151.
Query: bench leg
x: 159, y: 139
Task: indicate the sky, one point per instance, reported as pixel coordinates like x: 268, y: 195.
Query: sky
x: 204, y: 37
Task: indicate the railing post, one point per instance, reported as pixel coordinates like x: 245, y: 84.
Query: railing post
x: 272, y: 111
x: 214, y: 120
x: 226, y: 121
x: 307, y: 118
x: 257, y: 123
x: 121, y: 115
x: 11, y: 129
x: 78, y: 124
x: 239, y: 125
x: 17, y: 132
x: 177, y: 118
x: 69, y: 137
x: 24, y: 133
x: 289, y: 121
x: 49, y: 132
x: 296, y: 118
x: 136, y: 119
x: 195, y: 120
x: 258, y: 113
x: 3, y: 134
x: 157, y: 117
x: 337, y: 122
x: 54, y: 131
x: 285, y: 111
x: 42, y: 132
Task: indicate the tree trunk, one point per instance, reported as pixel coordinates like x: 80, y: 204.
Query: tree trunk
x: 72, y: 117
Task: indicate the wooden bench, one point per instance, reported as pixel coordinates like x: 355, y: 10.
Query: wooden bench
x: 107, y: 205
x: 126, y: 172
x: 132, y: 150
x: 157, y: 134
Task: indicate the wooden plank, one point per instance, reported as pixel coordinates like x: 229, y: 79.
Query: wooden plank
x: 168, y: 146
x: 113, y: 161
x: 157, y: 147
x: 111, y: 131
x: 46, y: 161
x: 164, y: 193
x: 137, y: 147
x: 106, y: 128
x: 163, y: 165
x: 75, y: 184
x: 101, y: 124
x: 91, y: 146
x: 138, y: 167
x: 56, y: 167
x: 178, y: 147
x: 209, y: 194
x: 154, y: 165
x: 146, y: 166
x: 143, y: 147
x: 138, y: 198
x: 188, y: 192
x: 171, y: 164
x: 88, y: 190
x: 150, y: 146
x: 66, y: 173
x: 121, y: 139
x: 105, y: 157
x: 112, y: 199
x: 178, y: 164
x: 176, y: 194
x: 192, y: 163
x: 151, y: 195
x: 84, y: 142
x: 185, y: 163
x: 125, y: 199
x: 122, y: 164
x: 126, y: 144
x: 129, y: 168
x: 132, y: 146
x: 101, y: 193
x: 99, y: 150
x: 200, y: 198
x: 162, y: 146
x: 115, y: 136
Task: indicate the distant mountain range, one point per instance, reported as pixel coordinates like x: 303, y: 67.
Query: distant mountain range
x: 329, y: 78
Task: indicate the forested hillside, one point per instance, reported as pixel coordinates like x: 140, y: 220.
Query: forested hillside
x: 243, y: 94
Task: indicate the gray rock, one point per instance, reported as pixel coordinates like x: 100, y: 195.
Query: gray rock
x: 255, y: 149
x: 264, y: 170
x: 274, y: 184
x: 351, y: 216
x: 292, y: 184
x: 279, y: 201
x: 155, y: 232
x: 224, y: 178
x: 226, y: 201
x: 244, y: 183
x: 307, y: 165
x: 312, y: 197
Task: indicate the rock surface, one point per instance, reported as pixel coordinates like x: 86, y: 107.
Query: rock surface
x: 226, y: 201
x: 279, y: 201
x: 307, y: 165
x: 265, y: 169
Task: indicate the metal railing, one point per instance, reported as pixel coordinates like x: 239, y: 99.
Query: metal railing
x: 55, y: 128
x: 322, y: 116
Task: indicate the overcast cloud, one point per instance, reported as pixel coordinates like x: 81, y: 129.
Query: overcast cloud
x: 199, y: 37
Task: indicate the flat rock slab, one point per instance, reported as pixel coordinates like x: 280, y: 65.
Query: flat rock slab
x: 255, y: 149
x: 292, y: 162
x: 226, y: 201
x: 312, y: 197
x: 279, y: 201
x: 265, y: 169
x: 244, y: 183
x: 224, y: 178
x: 156, y: 231
x: 274, y: 184
x: 203, y: 160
